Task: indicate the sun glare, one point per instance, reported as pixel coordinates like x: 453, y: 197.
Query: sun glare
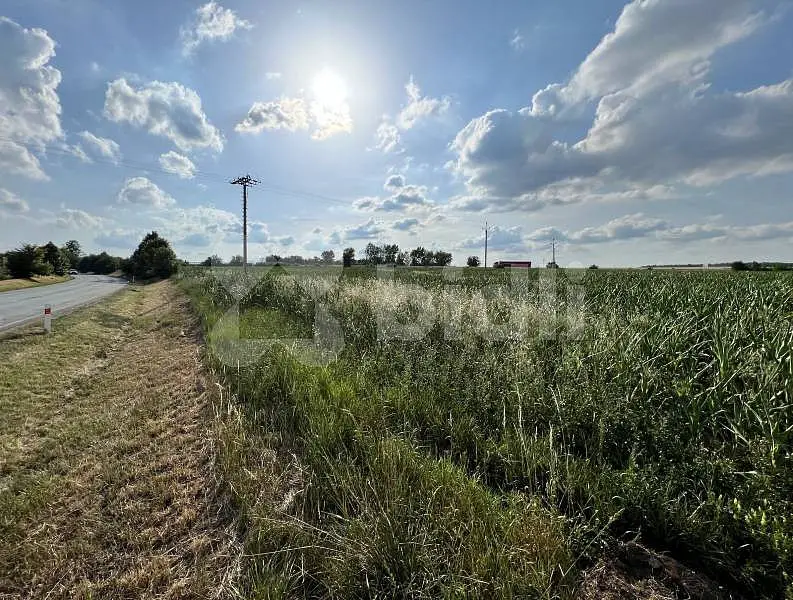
x: 329, y: 89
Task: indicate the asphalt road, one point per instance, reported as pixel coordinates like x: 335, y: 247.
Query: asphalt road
x: 22, y: 306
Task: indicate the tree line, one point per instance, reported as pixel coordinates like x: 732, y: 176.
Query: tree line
x: 153, y: 257
x: 373, y: 254
x: 391, y: 254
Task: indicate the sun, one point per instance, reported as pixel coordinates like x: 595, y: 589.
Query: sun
x: 329, y: 89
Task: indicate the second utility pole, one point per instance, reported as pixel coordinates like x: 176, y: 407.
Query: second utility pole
x: 486, y: 230
x: 245, y: 182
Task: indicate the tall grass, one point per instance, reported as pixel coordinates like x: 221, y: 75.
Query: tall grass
x: 489, y: 440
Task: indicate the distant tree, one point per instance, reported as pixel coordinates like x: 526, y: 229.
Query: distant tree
x: 4, y: 267
x: 390, y: 253
x: 236, y: 260
x: 212, y: 261
x: 738, y: 265
x: 348, y: 257
x: 473, y: 261
x: 403, y: 258
x: 374, y: 254
x: 418, y: 256
x: 593, y: 266
x: 26, y: 261
x: 153, y: 257
x: 442, y: 259
x: 328, y: 256
x: 72, y: 252
x: 55, y: 258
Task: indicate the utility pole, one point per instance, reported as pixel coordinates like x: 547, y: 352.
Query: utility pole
x: 486, y: 228
x: 245, y: 182
x: 553, y: 250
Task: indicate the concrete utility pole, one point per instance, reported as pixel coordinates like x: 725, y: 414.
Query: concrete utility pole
x: 487, y: 229
x: 245, y: 182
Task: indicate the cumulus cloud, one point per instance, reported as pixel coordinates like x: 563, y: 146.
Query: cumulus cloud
x: 330, y: 120
x: 420, y: 107
x: 295, y: 114
x: 394, y: 182
x: 143, y: 192
x: 387, y: 137
x: 10, y: 202
x: 286, y: 113
x: 178, y: 164
x: 657, y: 122
x: 405, y: 197
x: 622, y: 228
x: 417, y: 108
x: 71, y: 218
x: 99, y: 146
x: 405, y: 225
x: 30, y: 109
x: 211, y: 22
x: 169, y: 110
x: 499, y: 238
x: 371, y: 229
x: 640, y: 226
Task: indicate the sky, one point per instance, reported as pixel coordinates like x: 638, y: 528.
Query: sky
x: 652, y: 132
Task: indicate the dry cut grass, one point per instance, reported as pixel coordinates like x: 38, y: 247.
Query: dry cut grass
x: 107, y: 485
x: 7, y: 285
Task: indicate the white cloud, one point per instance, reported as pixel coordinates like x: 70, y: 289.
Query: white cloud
x: 622, y: 228
x: 101, y: 146
x: 70, y: 218
x: 285, y: 113
x: 363, y: 231
x: 330, y: 120
x: 420, y: 107
x: 211, y: 22
x: 405, y: 225
x: 178, y: 164
x: 517, y: 42
x: 29, y: 105
x: 406, y: 197
x: 143, y: 192
x: 9, y: 202
x: 387, y: 137
x: 270, y: 75
x: 394, y: 182
x: 295, y: 114
x: 165, y: 109
x: 657, y: 123
x: 78, y: 152
x: 499, y: 238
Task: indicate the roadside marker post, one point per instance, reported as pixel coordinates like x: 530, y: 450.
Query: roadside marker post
x: 47, y: 318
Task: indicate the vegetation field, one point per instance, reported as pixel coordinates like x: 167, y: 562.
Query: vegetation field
x: 481, y: 433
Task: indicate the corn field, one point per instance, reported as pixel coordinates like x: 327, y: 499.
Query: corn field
x: 482, y: 433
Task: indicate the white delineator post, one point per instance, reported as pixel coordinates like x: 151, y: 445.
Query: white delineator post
x: 47, y: 318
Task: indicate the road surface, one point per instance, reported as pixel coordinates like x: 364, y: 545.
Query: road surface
x: 22, y: 306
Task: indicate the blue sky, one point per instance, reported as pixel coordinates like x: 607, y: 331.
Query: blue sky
x: 649, y: 132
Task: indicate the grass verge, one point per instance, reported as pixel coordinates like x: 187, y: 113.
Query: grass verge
x: 7, y: 285
x: 107, y: 485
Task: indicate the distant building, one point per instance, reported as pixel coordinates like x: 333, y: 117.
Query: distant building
x: 500, y: 264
